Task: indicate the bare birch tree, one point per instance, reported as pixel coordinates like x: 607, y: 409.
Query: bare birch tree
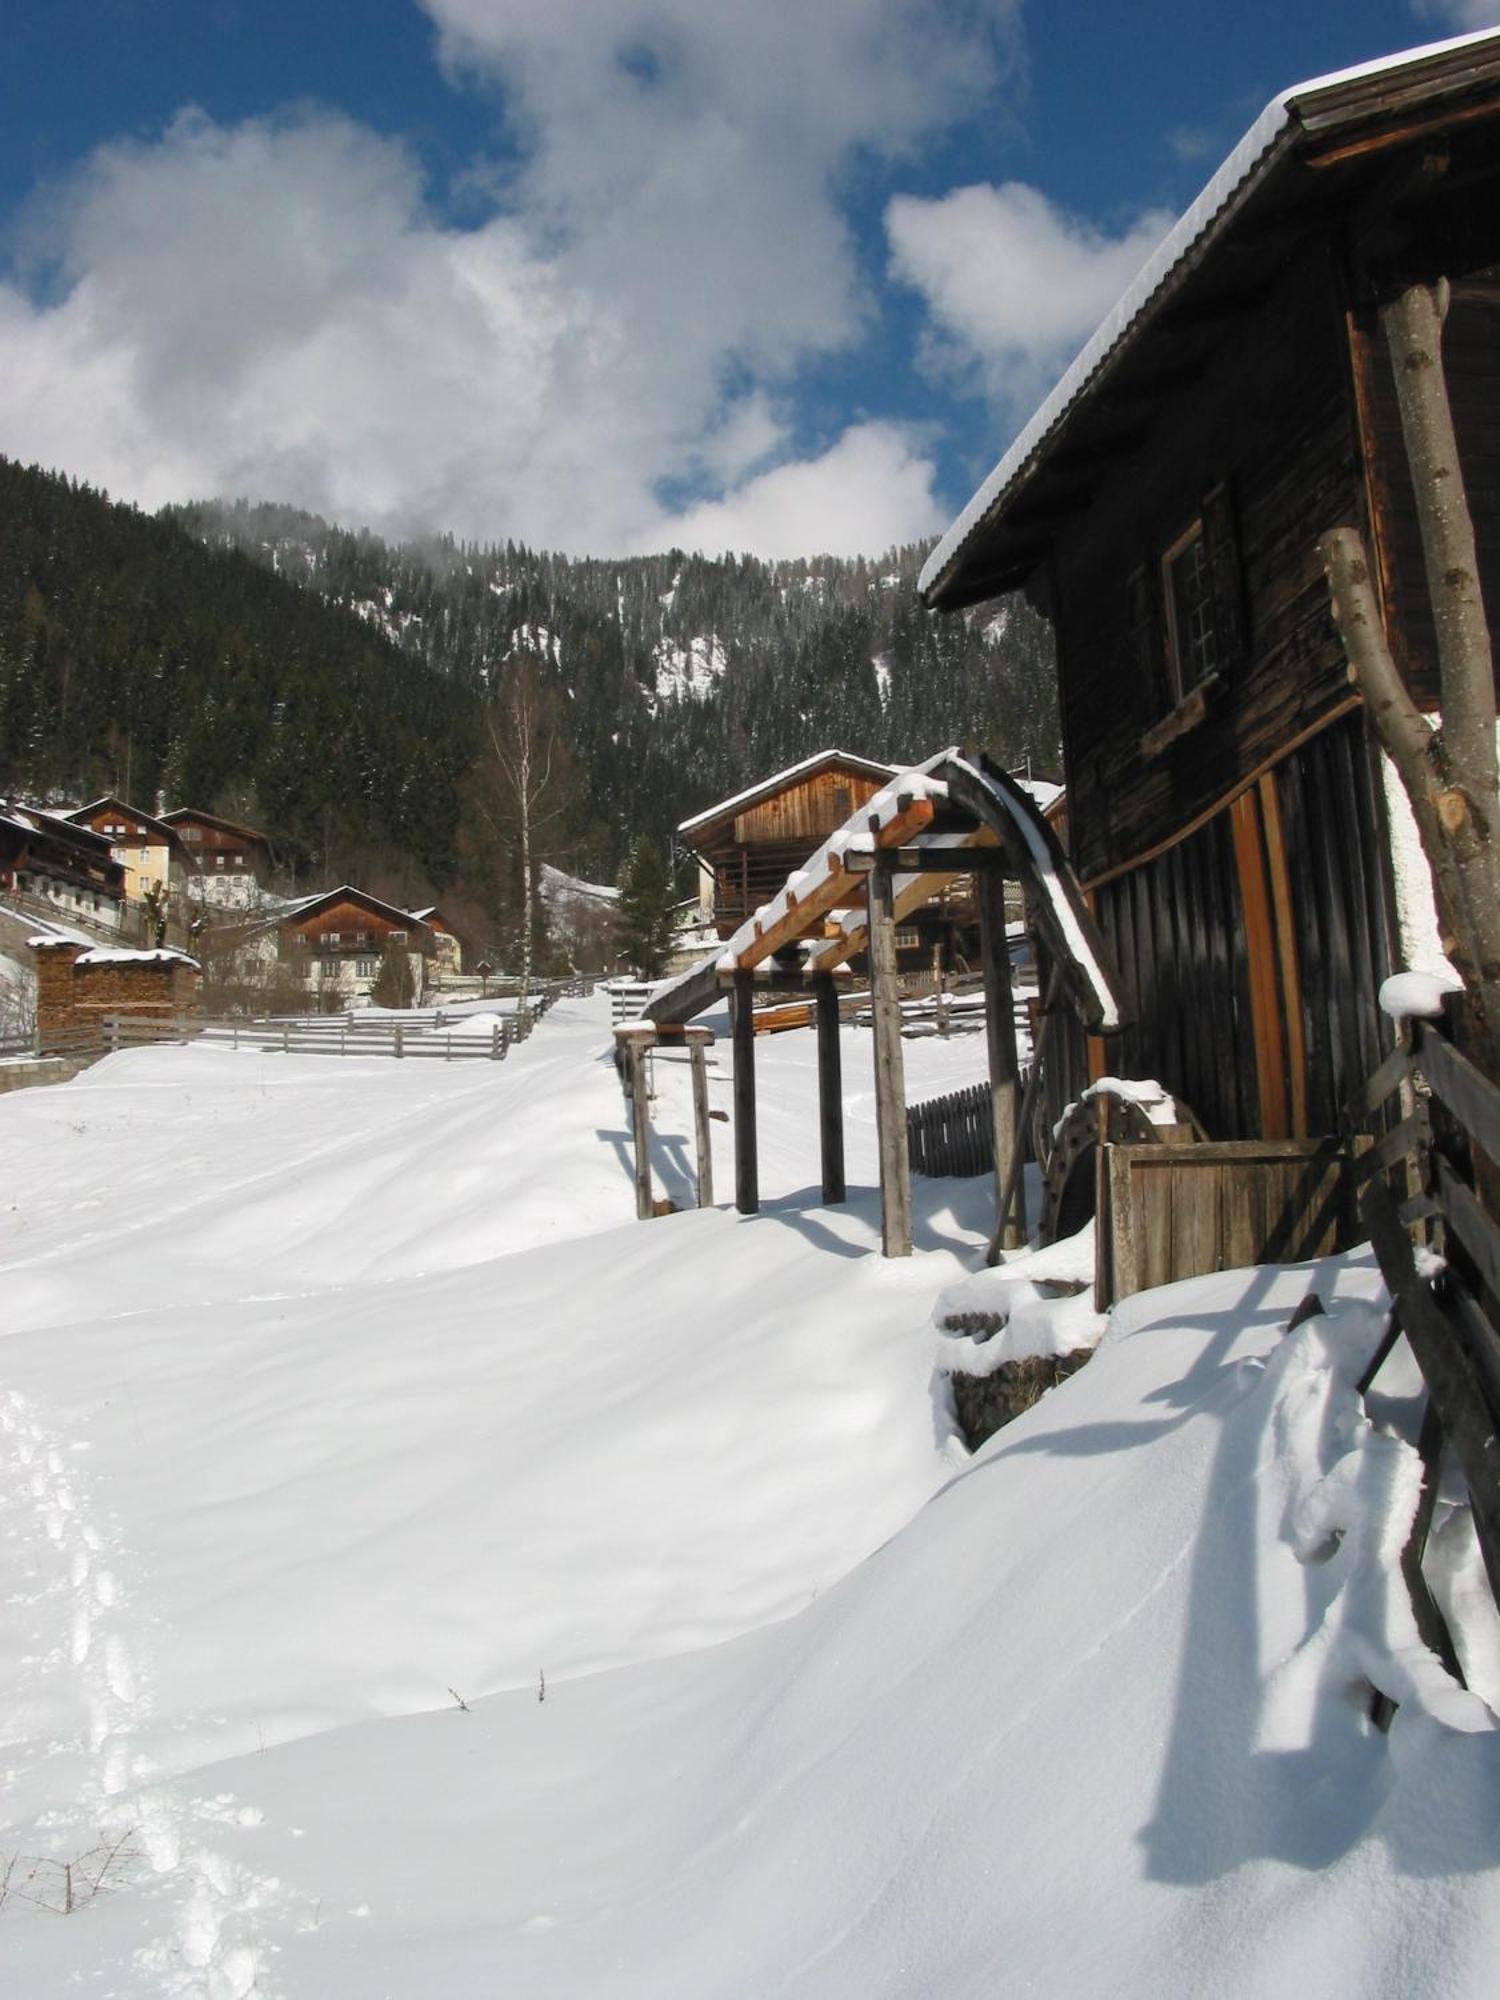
x: 533, y: 773
x: 1447, y: 766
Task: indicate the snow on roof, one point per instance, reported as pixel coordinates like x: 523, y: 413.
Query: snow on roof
x: 793, y: 771
x: 1041, y: 791
x: 118, y: 955
x: 1220, y: 200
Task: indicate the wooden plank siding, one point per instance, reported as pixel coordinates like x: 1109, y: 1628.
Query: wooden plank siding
x: 1283, y: 440
x: 1258, y: 1011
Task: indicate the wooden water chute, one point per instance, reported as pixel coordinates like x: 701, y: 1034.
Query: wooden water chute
x: 950, y: 816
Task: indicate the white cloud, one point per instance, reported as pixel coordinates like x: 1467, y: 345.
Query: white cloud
x: 1013, y: 284
x: 869, y: 491
x: 1460, y: 15
x: 274, y: 308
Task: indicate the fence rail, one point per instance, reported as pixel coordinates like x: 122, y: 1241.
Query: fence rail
x: 1437, y: 1166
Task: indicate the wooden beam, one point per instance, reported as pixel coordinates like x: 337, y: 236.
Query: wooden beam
x: 698, y: 1040
x: 784, y: 979
x: 914, y: 893
x: 1000, y: 1038
x: 830, y: 1089
x: 746, y: 1167
x: 806, y: 910
x: 939, y: 862
x: 890, y: 1081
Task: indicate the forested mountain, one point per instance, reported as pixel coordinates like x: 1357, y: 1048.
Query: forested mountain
x: 679, y: 677
x: 336, y: 690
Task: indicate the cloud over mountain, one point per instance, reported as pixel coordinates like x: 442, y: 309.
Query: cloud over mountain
x: 283, y: 305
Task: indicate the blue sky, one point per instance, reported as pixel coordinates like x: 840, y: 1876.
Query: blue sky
x: 600, y: 275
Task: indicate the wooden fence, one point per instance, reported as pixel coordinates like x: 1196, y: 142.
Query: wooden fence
x: 434, y: 1035
x: 1437, y: 1168
x: 956, y: 1134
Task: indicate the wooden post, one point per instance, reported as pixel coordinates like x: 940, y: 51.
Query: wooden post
x: 830, y: 1087
x: 746, y: 1171
x: 400, y: 1050
x: 1000, y: 1034
x: 890, y: 1080
x: 939, y: 989
x: 635, y: 1046
x: 698, y: 1040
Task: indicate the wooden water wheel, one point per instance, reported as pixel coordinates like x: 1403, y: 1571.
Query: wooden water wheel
x: 1106, y: 1116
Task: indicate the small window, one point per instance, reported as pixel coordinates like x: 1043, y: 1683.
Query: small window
x: 333, y: 937
x: 907, y: 938
x: 397, y: 937
x: 1193, y: 648
x: 365, y: 967
x: 192, y: 833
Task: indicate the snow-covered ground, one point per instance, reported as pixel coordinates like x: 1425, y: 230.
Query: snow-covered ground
x: 423, y: 1580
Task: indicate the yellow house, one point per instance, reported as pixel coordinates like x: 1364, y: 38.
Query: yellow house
x: 151, y: 852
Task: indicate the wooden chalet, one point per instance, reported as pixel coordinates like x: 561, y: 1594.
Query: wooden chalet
x: 1227, y: 812
x: 152, y: 854
x: 44, y: 855
x: 235, y: 857
x: 330, y: 945
x: 748, y: 845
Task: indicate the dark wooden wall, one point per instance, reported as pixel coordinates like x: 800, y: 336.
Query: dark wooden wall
x: 1270, y: 420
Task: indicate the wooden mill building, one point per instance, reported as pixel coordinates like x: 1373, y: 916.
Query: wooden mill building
x: 1227, y: 810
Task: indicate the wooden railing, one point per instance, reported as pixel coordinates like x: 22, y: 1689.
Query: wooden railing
x: 1437, y: 1168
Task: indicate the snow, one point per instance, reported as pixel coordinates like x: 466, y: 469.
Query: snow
x: 1417, y: 995
x: 691, y: 672
x: 1207, y: 217
x: 558, y: 887
x: 112, y: 955
x: 449, y: 1586
x: 1050, y: 883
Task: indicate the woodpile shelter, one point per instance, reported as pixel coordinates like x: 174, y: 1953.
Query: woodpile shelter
x: 77, y: 984
x: 1229, y: 817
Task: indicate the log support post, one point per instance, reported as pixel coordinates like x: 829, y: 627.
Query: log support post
x: 699, y: 1041
x: 746, y: 1170
x: 890, y: 1080
x: 830, y: 1088
x: 1000, y: 1034
x: 634, y: 1043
